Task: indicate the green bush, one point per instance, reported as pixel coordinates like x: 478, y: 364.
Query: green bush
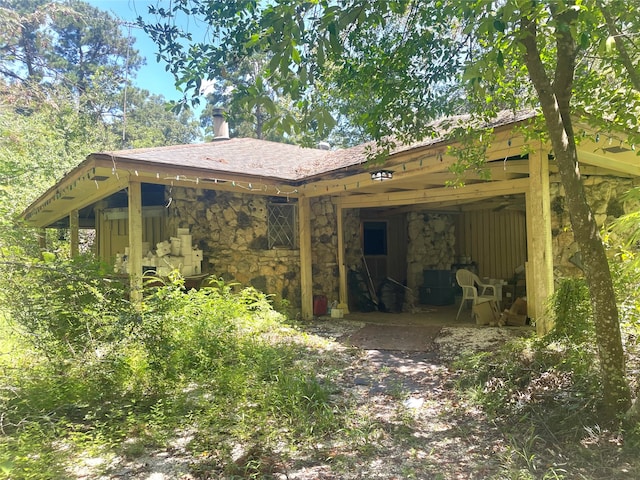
x: 92, y: 373
x: 66, y: 308
x: 555, y: 378
x: 571, y: 307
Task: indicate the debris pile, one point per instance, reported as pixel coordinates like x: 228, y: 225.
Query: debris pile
x: 177, y: 253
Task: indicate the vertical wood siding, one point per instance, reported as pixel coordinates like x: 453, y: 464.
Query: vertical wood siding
x: 113, y: 234
x: 496, y: 241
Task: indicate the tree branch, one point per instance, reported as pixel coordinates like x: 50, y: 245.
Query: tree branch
x: 537, y: 72
x: 628, y: 64
x: 566, y: 51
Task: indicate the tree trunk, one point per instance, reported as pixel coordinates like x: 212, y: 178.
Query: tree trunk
x: 596, y: 267
x: 259, y: 122
x: 555, y: 102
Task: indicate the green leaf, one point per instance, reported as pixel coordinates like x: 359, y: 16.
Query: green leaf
x: 295, y: 55
x: 610, y: 44
x: 585, y: 41
x: 274, y: 63
x: 334, y: 39
x: 320, y: 55
x: 350, y: 16
x: 253, y: 40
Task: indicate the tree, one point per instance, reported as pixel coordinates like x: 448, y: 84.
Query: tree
x: 563, y: 58
x: 87, y: 42
x: 63, y: 72
x: 71, y: 44
x: 23, y: 38
x: 251, y: 104
x: 39, y: 141
x: 147, y: 121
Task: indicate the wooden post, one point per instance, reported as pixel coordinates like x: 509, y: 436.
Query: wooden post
x: 74, y: 233
x: 135, y: 241
x: 306, y: 278
x: 42, y: 239
x: 342, y: 268
x: 539, y: 242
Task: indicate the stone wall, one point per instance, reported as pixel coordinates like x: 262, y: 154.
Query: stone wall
x: 231, y: 230
x: 324, y: 246
x: 352, y: 239
x: 431, y: 246
x: 604, y: 195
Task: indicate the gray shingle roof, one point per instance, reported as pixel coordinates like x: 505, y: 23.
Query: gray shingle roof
x: 282, y: 161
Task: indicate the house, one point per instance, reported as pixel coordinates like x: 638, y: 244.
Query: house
x: 295, y: 221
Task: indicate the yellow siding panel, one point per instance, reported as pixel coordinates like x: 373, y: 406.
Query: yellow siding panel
x: 495, y: 240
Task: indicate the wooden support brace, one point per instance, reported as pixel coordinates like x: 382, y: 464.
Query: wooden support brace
x: 135, y: 241
x: 74, y: 233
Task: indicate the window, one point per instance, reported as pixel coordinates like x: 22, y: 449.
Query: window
x: 281, y: 219
x: 374, y: 238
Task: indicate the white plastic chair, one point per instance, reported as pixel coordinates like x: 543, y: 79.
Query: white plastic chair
x: 474, y: 289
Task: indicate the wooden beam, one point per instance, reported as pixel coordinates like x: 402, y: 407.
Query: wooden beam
x: 88, y: 194
x: 436, y: 195
x: 42, y: 238
x: 258, y: 186
x: 539, y: 243
x: 357, y: 181
x: 135, y: 241
x: 412, y: 164
x: 512, y: 166
x: 342, y: 268
x: 592, y: 153
x: 306, y: 277
x: 441, y: 179
x: 74, y: 233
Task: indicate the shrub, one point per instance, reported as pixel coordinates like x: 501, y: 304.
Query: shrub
x: 555, y: 378
x: 66, y: 308
x: 571, y: 307
x: 91, y: 372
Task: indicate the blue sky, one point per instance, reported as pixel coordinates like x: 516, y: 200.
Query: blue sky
x: 151, y: 76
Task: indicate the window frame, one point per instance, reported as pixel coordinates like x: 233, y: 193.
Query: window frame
x: 286, y: 228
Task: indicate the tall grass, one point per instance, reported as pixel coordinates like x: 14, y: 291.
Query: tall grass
x: 83, y: 373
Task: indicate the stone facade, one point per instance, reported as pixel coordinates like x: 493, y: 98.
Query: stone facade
x: 431, y: 245
x: 324, y: 248
x: 232, y: 231
x: 605, y: 196
x: 352, y: 238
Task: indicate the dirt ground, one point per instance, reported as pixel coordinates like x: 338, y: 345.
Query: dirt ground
x: 393, y: 337
x: 400, y: 381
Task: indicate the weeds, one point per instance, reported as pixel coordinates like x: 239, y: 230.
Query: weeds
x: 544, y: 393
x: 91, y: 374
